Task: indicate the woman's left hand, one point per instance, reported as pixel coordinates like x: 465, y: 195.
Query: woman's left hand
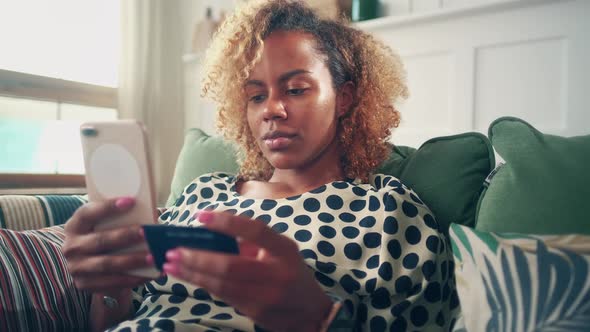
x: 268, y: 281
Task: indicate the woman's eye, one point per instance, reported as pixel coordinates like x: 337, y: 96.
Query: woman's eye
x: 295, y: 92
x: 257, y: 99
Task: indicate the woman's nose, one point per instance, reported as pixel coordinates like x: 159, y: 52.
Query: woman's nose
x: 275, y: 110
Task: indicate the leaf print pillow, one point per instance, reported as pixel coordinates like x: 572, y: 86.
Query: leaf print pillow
x: 517, y: 282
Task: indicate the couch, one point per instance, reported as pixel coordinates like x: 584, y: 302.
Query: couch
x: 518, y: 228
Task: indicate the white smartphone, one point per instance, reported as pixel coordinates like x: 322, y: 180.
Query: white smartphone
x: 117, y: 163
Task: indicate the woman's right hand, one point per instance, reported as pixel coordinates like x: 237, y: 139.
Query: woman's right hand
x: 87, y: 251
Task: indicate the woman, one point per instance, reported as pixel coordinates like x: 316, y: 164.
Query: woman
x: 322, y: 241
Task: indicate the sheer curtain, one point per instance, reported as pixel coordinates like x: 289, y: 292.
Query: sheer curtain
x: 151, y: 80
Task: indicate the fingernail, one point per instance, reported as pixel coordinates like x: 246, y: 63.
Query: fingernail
x: 173, y: 255
x: 124, y: 203
x: 149, y: 259
x: 205, y: 217
x: 170, y: 268
x: 141, y: 233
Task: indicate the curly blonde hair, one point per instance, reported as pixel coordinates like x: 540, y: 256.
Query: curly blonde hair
x: 351, y: 56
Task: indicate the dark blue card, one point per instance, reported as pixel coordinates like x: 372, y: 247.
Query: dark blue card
x: 161, y: 238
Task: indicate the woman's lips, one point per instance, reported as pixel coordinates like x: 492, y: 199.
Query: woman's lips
x: 278, y: 143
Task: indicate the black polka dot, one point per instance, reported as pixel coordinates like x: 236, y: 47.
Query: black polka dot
x: 165, y: 215
x: 454, y: 300
x: 179, y: 289
x: 206, y: 193
x: 324, y: 280
x: 419, y: 315
x: 430, y: 222
x: 432, y: 243
x: 284, y: 211
x: 399, y: 324
x: 161, y: 280
x: 205, y: 179
x: 410, y: 261
x: 372, y: 240
x: 280, y: 227
x: 302, y: 220
x: 325, y: 267
x: 359, y: 191
x: 247, y: 214
x: 374, y: 204
x: 349, y: 284
x: 433, y: 292
x: 311, y: 205
x: 165, y: 325
x: 440, y: 319
x: 222, y: 197
x: 200, y: 309
x: 378, y: 182
x: 340, y: 185
x: 378, y: 324
x: 381, y: 298
x: 359, y: 273
x: 398, y: 309
x: 373, y: 262
x: 246, y: 203
x: 170, y: 312
x: 222, y: 316
x: 413, y: 235
x: 394, y: 248
x: 347, y: 217
x: 154, y: 311
x: 370, y: 285
x: 265, y: 218
x: 201, y: 294
x: 184, y: 215
x: 390, y: 225
x: 362, y: 313
x: 350, y: 232
x: 303, y: 235
x: 203, y: 205
x: 353, y: 251
x: 416, y: 199
x: 293, y: 198
x: 175, y: 299
x: 318, y: 190
x: 308, y: 253
x: 327, y: 232
x: 368, y: 221
x: 389, y: 203
x: 174, y: 215
x: 334, y: 202
x: 403, y: 284
x: 400, y: 190
x: 409, y: 209
x: 220, y: 186
x: 268, y: 204
x: 386, y: 271
x: 326, y: 217
x: 326, y: 248
x: 179, y: 201
x: 191, y: 188
x: 357, y: 205
x: 446, y: 292
x: 232, y: 202
x: 428, y: 269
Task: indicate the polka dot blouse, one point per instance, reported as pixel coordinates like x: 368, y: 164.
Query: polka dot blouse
x: 375, y: 246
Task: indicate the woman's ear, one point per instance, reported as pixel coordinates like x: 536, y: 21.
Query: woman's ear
x: 344, y: 99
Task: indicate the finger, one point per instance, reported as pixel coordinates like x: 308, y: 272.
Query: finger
x: 249, y: 230
x: 248, y: 249
x: 89, y: 215
x: 109, y: 283
x: 108, y: 264
x: 103, y: 241
x: 230, y: 267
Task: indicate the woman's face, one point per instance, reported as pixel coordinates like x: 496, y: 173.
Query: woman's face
x: 292, y: 105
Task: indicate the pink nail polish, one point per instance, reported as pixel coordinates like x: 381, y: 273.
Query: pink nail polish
x: 149, y: 259
x: 206, y: 217
x: 173, y: 255
x: 124, y: 203
x: 171, y: 269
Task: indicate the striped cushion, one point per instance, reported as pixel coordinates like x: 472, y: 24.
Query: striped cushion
x: 36, y: 291
x: 20, y: 212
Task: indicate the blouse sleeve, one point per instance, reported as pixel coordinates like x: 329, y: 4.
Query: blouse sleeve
x: 415, y: 286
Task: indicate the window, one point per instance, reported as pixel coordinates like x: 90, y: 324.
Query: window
x: 58, y: 68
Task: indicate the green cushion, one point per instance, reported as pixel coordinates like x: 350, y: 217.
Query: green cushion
x: 447, y: 173
x: 200, y: 154
x: 543, y: 187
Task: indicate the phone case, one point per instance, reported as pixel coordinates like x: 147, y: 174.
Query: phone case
x: 162, y: 238
x: 117, y: 163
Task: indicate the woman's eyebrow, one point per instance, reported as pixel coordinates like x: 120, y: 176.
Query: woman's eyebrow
x: 284, y: 77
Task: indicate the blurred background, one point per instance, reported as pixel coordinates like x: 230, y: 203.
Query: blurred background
x: 63, y: 62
